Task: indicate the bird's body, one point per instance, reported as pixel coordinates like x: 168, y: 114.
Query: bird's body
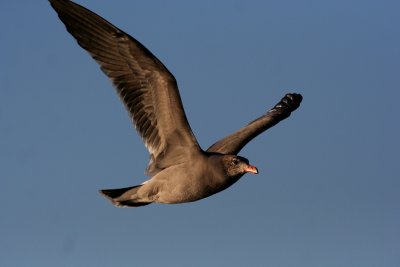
x: 179, y: 170
x: 197, y: 178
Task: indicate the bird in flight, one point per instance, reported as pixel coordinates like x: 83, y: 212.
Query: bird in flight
x: 179, y: 169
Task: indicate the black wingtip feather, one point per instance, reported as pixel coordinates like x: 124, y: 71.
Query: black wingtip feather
x: 289, y: 103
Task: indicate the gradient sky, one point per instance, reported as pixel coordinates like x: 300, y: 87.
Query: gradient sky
x: 328, y: 192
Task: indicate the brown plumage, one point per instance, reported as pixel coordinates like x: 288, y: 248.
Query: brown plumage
x: 180, y: 171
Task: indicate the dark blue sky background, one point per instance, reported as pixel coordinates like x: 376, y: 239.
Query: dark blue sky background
x: 328, y: 189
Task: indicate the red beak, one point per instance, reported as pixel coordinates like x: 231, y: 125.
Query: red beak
x: 251, y: 169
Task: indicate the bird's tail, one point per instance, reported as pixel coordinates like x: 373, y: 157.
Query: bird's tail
x: 116, y: 196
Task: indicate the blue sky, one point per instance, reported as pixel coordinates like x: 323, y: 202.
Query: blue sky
x: 328, y: 189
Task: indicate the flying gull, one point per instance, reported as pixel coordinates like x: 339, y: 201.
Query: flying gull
x: 179, y: 170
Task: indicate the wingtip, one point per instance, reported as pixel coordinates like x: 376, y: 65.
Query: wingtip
x: 289, y: 103
x: 52, y: 2
x: 57, y: 3
x: 295, y: 99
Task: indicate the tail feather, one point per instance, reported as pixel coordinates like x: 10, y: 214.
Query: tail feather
x: 115, y: 193
x: 116, y: 197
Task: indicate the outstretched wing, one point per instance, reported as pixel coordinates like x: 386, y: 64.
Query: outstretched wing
x: 233, y: 143
x: 146, y: 87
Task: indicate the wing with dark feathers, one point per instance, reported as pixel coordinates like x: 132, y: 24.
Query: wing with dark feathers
x: 233, y: 143
x: 146, y: 87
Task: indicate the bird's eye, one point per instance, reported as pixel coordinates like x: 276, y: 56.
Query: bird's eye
x: 235, y: 161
